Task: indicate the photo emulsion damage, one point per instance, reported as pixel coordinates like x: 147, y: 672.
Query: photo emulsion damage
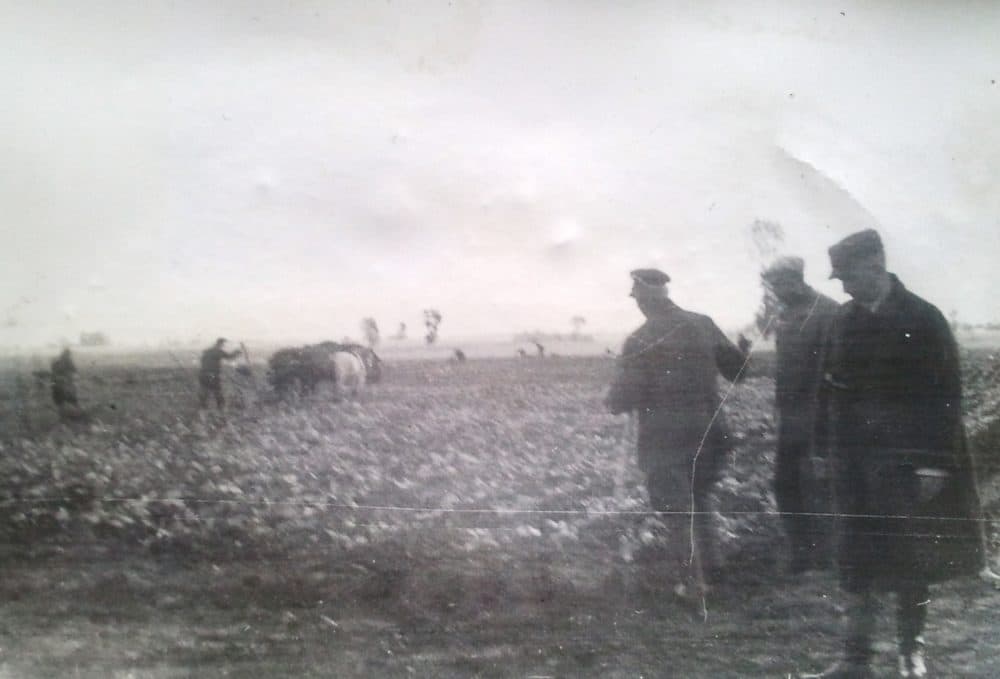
x: 490, y: 339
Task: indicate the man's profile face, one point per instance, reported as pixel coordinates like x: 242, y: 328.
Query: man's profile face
x: 787, y: 288
x: 861, y: 279
x: 646, y: 297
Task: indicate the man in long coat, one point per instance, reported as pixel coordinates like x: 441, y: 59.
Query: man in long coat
x: 667, y: 375
x: 800, y: 488
x: 907, y: 503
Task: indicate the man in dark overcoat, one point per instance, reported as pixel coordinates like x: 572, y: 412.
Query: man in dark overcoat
x: 801, y: 488
x: 908, y: 508
x: 667, y: 375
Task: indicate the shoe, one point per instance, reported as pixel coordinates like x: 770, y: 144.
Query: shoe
x: 912, y: 664
x: 843, y: 669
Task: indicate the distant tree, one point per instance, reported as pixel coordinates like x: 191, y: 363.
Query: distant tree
x: 93, y: 339
x: 432, y: 319
x: 767, y: 312
x: 577, y: 322
x: 401, y: 333
x: 369, y: 329
x: 767, y: 237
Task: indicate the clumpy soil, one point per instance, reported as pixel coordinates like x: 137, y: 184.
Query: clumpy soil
x: 87, y: 610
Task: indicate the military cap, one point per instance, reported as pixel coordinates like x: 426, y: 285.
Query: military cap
x: 221, y: 340
x: 858, y: 245
x: 784, y: 266
x: 651, y: 277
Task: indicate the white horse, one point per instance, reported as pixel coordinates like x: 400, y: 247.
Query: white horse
x: 349, y: 371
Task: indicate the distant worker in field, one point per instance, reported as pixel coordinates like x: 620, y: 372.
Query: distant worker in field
x: 801, y: 486
x: 210, y: 376
x: 666, y: 374
x: 64, y: 384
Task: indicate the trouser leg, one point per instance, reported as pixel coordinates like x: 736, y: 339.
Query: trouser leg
x: 706, y: 537
x: 860, y: 612
x: 670, y: 492
x: 911, y: 616
x: 788, y: 495
x: 220, y: 401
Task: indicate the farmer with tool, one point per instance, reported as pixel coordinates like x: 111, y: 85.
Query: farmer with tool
x: 801, y: 487
x: 666, y: 374
x: 210, y: 376
x: 908, y: 511
x: 64, y: 384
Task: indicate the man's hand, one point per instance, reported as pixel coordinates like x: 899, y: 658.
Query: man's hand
x: 931, y: 483
x: 743, y: 343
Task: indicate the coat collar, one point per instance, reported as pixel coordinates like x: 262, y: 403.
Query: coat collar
x: 887, y: 305
x: 793, y: 311
x: 664, y: 308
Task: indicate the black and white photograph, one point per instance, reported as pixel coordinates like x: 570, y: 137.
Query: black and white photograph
x: 565, y: 339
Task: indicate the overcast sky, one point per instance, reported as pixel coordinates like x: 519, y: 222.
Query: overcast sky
x: 283, y: 169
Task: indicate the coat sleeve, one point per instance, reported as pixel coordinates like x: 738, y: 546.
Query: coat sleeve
x: 821, y: 438
x: 943, y: 399
x: 728, y: 358
x: 630, y: 385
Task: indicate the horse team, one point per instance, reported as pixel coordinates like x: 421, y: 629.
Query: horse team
x: 302, y: 370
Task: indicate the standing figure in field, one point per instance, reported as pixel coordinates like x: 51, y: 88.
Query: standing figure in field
x: 64, y: 384
x: 667, y: 375
x: 801, y: 488
x: 908, y: 511
x: 210, y: 375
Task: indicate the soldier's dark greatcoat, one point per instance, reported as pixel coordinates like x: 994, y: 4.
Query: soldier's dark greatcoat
x: 895, y: 408
x: 801, y: 493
